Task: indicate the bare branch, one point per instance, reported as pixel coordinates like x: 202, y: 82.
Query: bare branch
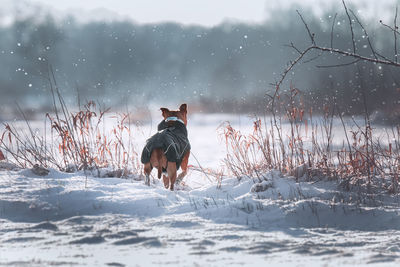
x: 395, y: 36
x: 333, y: 25
x: 390, y: 27
x: 366, y: 34
x: 294, y: 47
x: 357, y: 56
x: 351, y: 27
x: 312, y: 59
x: 334, y: 51
x: 339, y: 65
x: 308, y: 29
x: 381, y: 56
x: 290, y: 67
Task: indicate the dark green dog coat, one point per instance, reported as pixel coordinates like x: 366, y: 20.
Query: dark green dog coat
x: 172, y: 138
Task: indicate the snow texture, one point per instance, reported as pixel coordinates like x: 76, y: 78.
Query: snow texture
x: 68, y: 219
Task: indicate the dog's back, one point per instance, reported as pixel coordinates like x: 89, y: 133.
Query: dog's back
x: 169, y: 149
x: 172, y: 140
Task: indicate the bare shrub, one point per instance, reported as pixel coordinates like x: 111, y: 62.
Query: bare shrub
x: 306, y: 150
x: 77, y: 140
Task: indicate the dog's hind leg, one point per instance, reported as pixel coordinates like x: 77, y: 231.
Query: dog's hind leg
x: 171, y: 170
x: 166, y: 181
x: 184, y: 167
x: 165, y: 176
x: 147, y: 171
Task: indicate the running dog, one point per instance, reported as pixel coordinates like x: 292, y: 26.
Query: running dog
x: 169, y: 148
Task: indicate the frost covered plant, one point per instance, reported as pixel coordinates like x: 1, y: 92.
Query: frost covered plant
x: 78, y: 141
x: 243, y: 151
x: 307, y: 151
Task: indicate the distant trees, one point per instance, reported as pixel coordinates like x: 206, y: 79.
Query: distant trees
x: 231, y: 63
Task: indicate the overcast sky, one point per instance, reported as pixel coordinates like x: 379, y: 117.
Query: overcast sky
x: 203, y: 12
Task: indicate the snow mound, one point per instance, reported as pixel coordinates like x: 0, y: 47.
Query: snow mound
x: 273, y: 202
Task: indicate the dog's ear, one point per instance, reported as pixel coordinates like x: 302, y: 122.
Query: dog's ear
x: 164, y: 112
x: 183, y: 108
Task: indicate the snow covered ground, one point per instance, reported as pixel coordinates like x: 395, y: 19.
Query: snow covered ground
x: 73, y: 219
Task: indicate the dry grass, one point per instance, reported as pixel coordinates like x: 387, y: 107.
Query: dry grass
x: 73, y: 141
x: 304, y: 147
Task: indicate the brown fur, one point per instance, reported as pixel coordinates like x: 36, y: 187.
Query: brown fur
x: 158, y: 159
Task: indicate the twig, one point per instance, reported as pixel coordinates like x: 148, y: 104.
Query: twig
x: 205, y: 173
x: 365, y: 32
x: 333, y: 25
x: 295, y: 48
x: 312, y: 59
x: 311, y: 35
x: 390, y: 27
x: 338, y: 65
x: 351, y: 27
x: 395, y: 36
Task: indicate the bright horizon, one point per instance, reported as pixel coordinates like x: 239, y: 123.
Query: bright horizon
x: 206, y: 12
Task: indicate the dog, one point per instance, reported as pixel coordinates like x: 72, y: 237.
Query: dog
x: 168, y: 149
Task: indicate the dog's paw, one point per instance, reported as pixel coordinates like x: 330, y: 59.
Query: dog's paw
x: 147, y: 180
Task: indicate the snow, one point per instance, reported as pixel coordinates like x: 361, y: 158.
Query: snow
x: 77, y: 219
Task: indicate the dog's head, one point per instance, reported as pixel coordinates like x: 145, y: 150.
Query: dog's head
x: 180, y: 114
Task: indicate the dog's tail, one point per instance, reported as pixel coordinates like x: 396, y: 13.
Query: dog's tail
x: 159, y: 159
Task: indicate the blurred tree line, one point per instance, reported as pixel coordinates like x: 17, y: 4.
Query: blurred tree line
x: 224, y: 68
